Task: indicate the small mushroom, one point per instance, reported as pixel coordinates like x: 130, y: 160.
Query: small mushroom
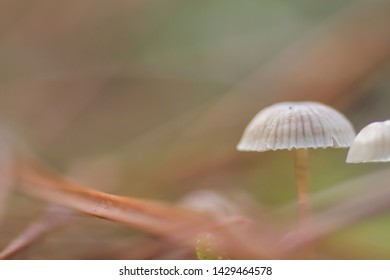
x: 298, y: 126
x: 372, y: 144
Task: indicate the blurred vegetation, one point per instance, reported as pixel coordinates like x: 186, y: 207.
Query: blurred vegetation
x: 149, y: 98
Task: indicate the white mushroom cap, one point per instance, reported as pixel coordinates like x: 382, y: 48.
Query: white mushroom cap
x: 372, y: 144
x: 296, y: 125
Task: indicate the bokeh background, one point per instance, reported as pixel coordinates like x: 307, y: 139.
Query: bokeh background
x: 148, y: 98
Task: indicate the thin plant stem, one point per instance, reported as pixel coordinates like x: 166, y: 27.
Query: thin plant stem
x: 302, y: 177
x: 151, y: 216
x: 54, y: 218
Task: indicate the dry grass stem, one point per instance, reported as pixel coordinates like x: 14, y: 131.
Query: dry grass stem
x: 150, y: 216
x: 53, y: 219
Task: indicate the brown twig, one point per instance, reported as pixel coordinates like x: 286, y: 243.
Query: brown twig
x: 52, y: 220
x: 150, y: 216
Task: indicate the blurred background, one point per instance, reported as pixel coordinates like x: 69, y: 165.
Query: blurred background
x: 149, y: 99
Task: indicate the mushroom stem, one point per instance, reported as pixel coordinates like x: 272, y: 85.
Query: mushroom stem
x: 302, y: 177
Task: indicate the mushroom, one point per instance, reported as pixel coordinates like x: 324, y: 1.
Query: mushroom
x: 298, y: 126
x: 372, y: 144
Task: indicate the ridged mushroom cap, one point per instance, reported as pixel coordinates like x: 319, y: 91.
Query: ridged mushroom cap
x: 372, y: 144
x: 297, y: 125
